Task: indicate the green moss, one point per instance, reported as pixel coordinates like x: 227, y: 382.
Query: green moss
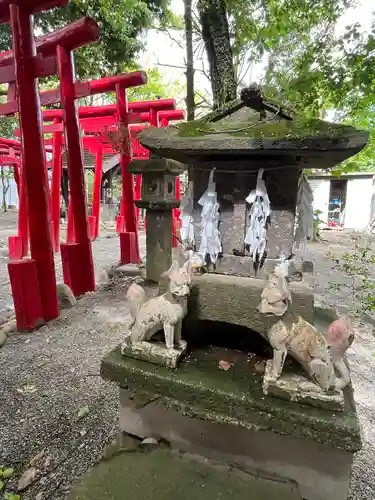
x: 200, y: 389
x: 160, y: 474
x: 284, y: 129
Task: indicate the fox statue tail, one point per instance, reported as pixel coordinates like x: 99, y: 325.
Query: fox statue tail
x: 136, y: 297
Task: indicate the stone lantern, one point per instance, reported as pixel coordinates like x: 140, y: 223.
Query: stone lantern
x: 158, y: 197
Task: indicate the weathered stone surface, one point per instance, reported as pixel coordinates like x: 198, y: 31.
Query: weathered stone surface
x: 233, y: 299
x: 243, y: 135
x: 162, y: 474
x: 244, y: 266
x: 3, y: 338
x: 321, y: 472
x: 233, y: 188
x: 296, y: 388
x: 158, y: 243
x: 199, y: 389
x: 65, y: 296
x: 154, y: 352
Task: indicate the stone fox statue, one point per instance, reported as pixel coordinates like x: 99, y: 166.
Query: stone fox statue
x: 165, y: 311
x: 317, y: 354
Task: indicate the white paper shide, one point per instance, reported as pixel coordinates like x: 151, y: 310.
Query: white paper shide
x: 187, y: 222
x: 210, y: 217
x: 256, y: 236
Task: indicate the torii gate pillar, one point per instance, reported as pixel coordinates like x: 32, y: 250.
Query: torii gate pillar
x: 38, y: 274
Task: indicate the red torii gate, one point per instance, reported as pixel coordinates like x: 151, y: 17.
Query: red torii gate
x: 33, y: 280
x: 97, y: 146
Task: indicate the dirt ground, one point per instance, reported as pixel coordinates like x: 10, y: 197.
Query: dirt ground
x: 54, y: 402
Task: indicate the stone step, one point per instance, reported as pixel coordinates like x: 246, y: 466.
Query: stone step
x: 150, y: 471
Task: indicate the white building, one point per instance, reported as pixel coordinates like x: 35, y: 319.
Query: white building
x: 347, y: 201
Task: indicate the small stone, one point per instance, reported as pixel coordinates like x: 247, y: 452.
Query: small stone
x: 224, y: 365
x: 3, y: 338
x: 27, y: 478
x: 149, y: 440
x: 34, y: 461
x: 102, y: 278
x: 39, y: 496
x: 9, y: 327
x: 65, y: 296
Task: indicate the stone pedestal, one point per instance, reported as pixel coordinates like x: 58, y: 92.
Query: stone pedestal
x: 158, y: 241
x: 224, y: 415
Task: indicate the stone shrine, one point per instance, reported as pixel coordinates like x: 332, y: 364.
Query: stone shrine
x: 233, y: 398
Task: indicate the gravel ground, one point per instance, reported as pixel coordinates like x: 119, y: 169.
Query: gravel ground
x: 53, y: 399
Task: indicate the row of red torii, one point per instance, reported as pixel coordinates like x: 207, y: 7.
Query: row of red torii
x: 94, y: 128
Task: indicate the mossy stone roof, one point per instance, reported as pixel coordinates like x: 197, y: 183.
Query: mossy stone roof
x: 237, y: 132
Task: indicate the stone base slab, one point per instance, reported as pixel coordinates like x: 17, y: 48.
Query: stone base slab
x: 296, y: 388
x: 320, y: 471
x: 155, y: 352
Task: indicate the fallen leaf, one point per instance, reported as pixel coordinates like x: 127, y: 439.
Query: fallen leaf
x: 27, y: 389
x: 114, y: 326
x: 34, y: 461
x: 27, y: 478
x: 48, y: 462
x: 11, y: 496
x: 82, y: 412
x: 224, y: 365
x: 1, y: 485
x: 7, y: 473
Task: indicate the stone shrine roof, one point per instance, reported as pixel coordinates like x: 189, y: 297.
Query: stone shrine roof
x: 236, y: 132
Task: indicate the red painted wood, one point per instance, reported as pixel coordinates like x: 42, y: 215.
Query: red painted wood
x: 120, y: 224
x: 36, y: 189
x: 154, y: 122
x: 129, y: 248
x: 15, y: 247
x: 127, y: 209
x: 71, y: 257
x: 71, y: 37
x: 26, y: 294
x: 9, y: 160
x: 97, y: 190
x: 93, y: 87
x: 23, y: 221
x: 28, y: 6
x: 55, y: 195
x: 176, y: 216
x: 92, y: 226
x: 70, y: 234
x: 75, y: 169
x: 165, y: 107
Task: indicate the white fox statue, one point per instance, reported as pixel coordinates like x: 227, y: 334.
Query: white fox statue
x: 165, y: 311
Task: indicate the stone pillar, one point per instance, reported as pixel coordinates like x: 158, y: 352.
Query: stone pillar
x: 158, y: 197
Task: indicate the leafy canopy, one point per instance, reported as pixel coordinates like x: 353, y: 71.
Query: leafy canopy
x: 121, y: 23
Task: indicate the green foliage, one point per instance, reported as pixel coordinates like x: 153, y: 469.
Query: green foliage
x: 121, y: 23
x: 5, y: 474
x: 358, y: 266
x: 316, y: 223
x: 308, y: 64
x: 157, y: 87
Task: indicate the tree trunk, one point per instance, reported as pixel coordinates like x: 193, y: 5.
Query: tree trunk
x: 215, y: 32
x: 190, y: 102
x: 5, y: 186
